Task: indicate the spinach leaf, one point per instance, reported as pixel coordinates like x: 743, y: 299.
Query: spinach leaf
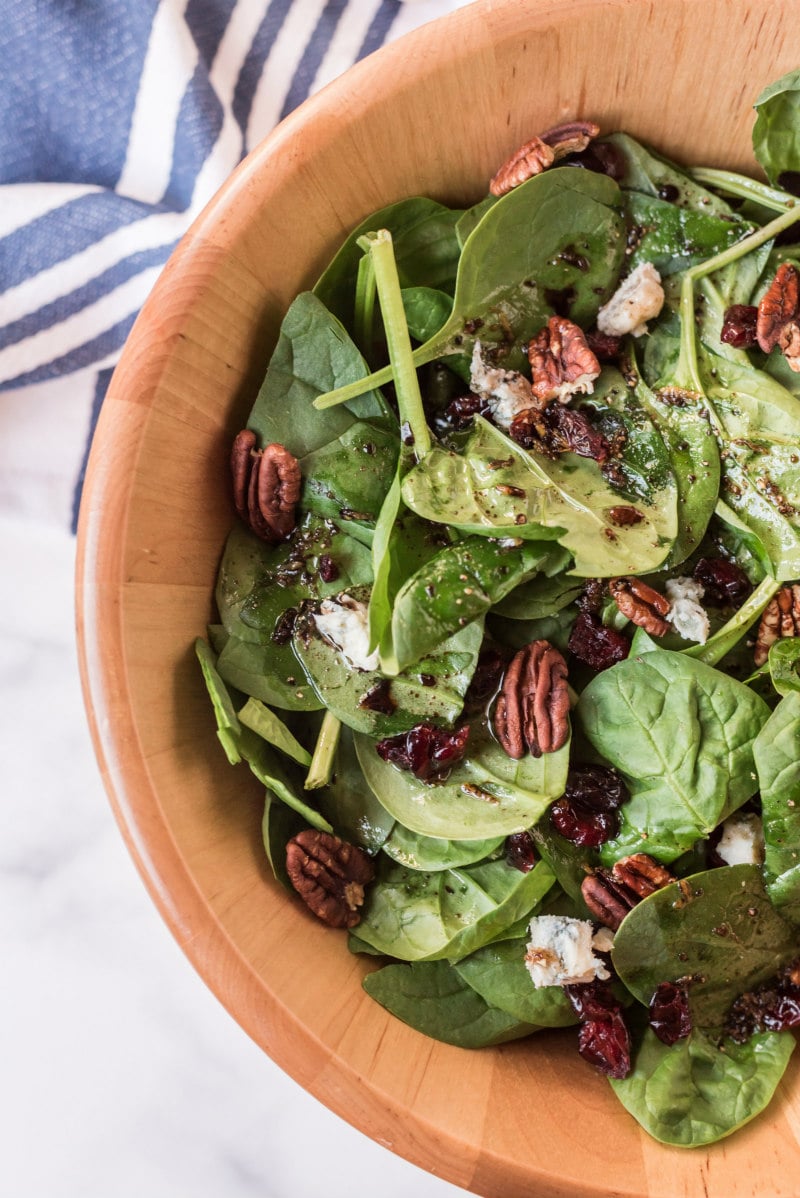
x: 426, y: 250
x: 265, y: 723
x: 495, y: 488
x: 459, y: 584
x: 697, y: 1092
x: 681, y: 733
x: 241, y: 743
x: 694, y: 458
x: 560, y: 231
x: 717, y: 928
x: 433, y: 999
x: 777, y: 757
x: 415, y: 916
x: 259, y: 586
x: 776, y: 133
x: 542, y: 596
x: 412, y: 695
x: 648, y: 172
x: 427, y: 310
x: 431, y: 853
x: 672, y: 237
x: 314, y: 354
x: 488, y: 794
x: 349, y: 804
x: 783, y: 663
x: 498, y: 973
x: 347, y: 480
x: 228, y: 726
x: 758, y: 426
x: 279, y: 824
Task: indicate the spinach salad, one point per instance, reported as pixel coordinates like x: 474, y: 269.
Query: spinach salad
x: 509, y: 628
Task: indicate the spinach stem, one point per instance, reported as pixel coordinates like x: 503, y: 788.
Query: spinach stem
x: 398, y: 340
x: 733, y: 184
x: 364, y: 310
x: 727, y: 637
x: 322, y: 761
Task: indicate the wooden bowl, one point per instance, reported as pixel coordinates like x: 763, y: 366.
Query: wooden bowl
x: 434, y: 113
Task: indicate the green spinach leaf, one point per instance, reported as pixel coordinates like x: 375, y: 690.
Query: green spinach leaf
x: 777, y: 757
x: 672, y: 237
x: 433, y: 691
x: 776, y: 133
x: 498, y: 973
x: 433, y: 999
x: 681, y: 733
x: 417, y: 916
x: 697, y: 1092
x: 495, y: 488
x: 717, y: 928
x: 488, y: 794
x: 431, y: 853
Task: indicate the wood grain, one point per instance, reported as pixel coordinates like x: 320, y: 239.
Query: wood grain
x: 434, y: 114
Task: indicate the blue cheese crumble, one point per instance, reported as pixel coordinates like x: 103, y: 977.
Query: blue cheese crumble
x: 561, y: 951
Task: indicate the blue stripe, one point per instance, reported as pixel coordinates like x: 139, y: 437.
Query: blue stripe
x: 207, y: 21
x: 253, y: 65
x: 196, y: 130
x: 379, y: 28
x: 67, y: 305
x: 101, y: 345
x: 313, y: 55
x: 64, y: 231
x: 100, y: 388
x: 68, y: 87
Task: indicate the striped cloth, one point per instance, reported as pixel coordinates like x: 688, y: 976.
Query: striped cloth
x: 121, y: 118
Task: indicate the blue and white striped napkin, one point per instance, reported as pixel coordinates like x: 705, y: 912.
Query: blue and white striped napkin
x: 120, y: 119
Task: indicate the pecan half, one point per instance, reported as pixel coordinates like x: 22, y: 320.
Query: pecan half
x: 781, y: 618
x: 561, y: 362
x: 778, y: 321
x: 611, y: 893
x: 329, y: 874
x: 266, y: 486
x: 532, y: 711
x: 641, y: 604
x: 540, y: 152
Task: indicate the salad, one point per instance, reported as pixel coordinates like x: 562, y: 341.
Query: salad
x: 509, y: 623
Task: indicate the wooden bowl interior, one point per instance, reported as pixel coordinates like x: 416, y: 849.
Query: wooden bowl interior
x: 433, y: 114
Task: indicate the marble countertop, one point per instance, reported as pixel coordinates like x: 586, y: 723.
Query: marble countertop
x: 123, y: 1076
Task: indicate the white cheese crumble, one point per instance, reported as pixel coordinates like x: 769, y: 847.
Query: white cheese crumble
x: 686, y: 614
x: 344, y: 622
x: 638, y: 298
x: 742, y: 840
x: 560, y: 951
x: 506, y: 391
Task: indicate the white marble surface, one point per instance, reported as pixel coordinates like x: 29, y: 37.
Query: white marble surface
x: 122, y: 1075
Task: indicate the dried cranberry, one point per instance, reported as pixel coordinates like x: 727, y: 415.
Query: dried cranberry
x: 594, y: 644
x: 592, y: 1000
x: 427, y: 751
x: 774, y: 1008
x: 592, y: 595
x: 460, y: 411
x: 558, y: 430
x: 485, y: 680
x: 670, y: 1017
x: 606, y: 1044
x: 284, y: 626
x: 521, y: 851
x: 589, y: 829
x: 328, y: 570
x: 605, y: 346
x: 723, y: 581
x: 596, y: 788
x: 586, y: 814
x: 739, y: 326
x: 601, y: 157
